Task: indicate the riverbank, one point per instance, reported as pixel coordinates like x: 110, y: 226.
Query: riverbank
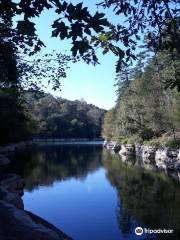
x: 67, y: 140
x: 15, y: 222
x: 15, y: 147
x: 156, y: 158
x: 12, y: 148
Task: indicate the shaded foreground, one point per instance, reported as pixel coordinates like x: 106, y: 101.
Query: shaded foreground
x: 15, y: 222
x: 22, y: 225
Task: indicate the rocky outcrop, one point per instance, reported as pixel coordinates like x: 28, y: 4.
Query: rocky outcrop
x: 12, y: 189
x: 149, y: 152
x: 127, y: 150
x: 167, y: 159
x: 151, y: 157
x: 114, y: 146
x: 160, y: 159
x: 15, y: 222
x: 14, y: 147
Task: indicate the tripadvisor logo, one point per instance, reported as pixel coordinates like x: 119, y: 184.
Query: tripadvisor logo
x: 139, y: 231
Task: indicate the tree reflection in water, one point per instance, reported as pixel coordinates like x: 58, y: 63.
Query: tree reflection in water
x: 151, y: 198
x: 46, y: 164
x: 144, y: 197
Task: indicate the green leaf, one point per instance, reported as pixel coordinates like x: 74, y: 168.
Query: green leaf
x: 26, y: 27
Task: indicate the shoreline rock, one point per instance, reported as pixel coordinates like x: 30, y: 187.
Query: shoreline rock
x: 127, y: 149
x: 150, y: 157
x: 15, y: 222
x: 14, y: 147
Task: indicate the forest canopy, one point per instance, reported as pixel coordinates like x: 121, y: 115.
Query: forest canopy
x: 145, y: 109
x: 157, y: 21
x: 61, y: 118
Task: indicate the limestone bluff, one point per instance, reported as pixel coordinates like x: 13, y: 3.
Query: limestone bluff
x: 155, y: 158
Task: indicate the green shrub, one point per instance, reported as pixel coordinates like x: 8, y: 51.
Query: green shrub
x: 173, y: 143
x: 153, y: 142
x: 129, y: 140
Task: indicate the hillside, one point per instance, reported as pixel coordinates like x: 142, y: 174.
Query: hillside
x: 62, y: 118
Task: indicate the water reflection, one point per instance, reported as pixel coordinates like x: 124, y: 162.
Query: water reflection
x: 46, y: 164
x: 151, y: 198
x: 91, y: 194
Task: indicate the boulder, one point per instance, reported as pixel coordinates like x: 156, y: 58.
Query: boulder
x: 127, y: 149
x: 161, y: 155
x: 16, y: 224
x: 160, y: 159
x: 172, y: 153
x: 148, y: 153
x: 3, y: 160
x: 13, y: 198
x: 11, y: 190
x: 109, y: 145
x: 116, y: 147
x: 13, y: 183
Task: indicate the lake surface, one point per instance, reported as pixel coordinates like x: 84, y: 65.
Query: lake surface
x: 92, y: 195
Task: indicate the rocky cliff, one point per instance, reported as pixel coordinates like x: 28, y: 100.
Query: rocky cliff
x: 150, y: 157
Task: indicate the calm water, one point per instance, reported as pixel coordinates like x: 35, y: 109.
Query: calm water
x: 91, y: 195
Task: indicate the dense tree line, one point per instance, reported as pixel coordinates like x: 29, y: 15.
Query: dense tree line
x: 14, y: 123
x: 146, y: 106
x: 61, y: 118
x: 19, y: 43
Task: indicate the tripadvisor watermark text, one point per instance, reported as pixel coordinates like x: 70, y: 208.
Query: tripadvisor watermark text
x: 139, y: 231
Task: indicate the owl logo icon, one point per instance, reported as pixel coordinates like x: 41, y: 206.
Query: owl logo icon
x: 139, y: 231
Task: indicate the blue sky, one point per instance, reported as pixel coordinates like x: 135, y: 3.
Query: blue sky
x: 93, y: 84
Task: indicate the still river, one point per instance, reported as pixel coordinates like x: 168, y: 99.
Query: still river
x: 91, y: 195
